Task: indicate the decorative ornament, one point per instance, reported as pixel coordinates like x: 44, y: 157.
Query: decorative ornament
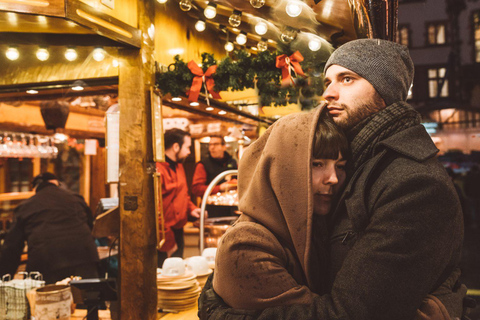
x: 262, y: 45
x: 200, y: 26
x: 257, y: 3
x: 185, y: 5
x: 200, y: 79
x: 288, y: 35
x: 42, y: 54
x: 229, y: 46
x: 12, y: 53
x: 235, y: 19
x: 210, y: 11
x: 289, y: 65
x: 241, y: 38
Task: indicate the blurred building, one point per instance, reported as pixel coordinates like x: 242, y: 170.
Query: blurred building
x: 444, y: 41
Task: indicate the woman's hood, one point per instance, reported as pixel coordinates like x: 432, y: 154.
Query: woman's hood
x: 275, y: 182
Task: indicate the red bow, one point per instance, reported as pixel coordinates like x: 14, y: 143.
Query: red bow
x: 200, y: 79
x: 289, y: 64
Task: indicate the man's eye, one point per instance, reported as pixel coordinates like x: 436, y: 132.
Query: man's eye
x: 347, y: 79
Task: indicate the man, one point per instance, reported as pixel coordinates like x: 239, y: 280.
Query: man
x: 397, y: 231
x: 218, y: 161
x: 176, y: 200
x: 56, y: 224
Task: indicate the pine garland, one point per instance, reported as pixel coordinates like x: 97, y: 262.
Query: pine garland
x: 243, y: 72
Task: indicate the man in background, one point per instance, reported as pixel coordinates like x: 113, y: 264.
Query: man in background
x: 56, y: 224
x: 218, y: 161
x: 176, y: 200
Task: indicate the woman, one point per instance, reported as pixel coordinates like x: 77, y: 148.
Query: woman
x: 275, y: 253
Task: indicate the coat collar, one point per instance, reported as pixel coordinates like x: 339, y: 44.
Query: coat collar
x: 413, y: 142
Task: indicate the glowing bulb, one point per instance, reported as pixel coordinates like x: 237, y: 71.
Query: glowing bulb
x: 262, y: 46
x: 257, y: 3
x: 293, y: 8
x: 235, y: 19
x: 222, y: 112
x: 71, y: 54
x: 229, y: 46
x: 98, y: 54
x: 12, y: 53
x: 42, y: 54
x: 162, y: 1
x: 210, y: 11
x: 261, y: 28
x: 185, y: 5
x: 241, y: 38
x: 314, y: 44
x: 77, y: 88
x: 32, y: 91
x: 115, y: 63
x: 176, y: 99
x: 194, y: 104
x: 200, y: 26
x: 209, y: 108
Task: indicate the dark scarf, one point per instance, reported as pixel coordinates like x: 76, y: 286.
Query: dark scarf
x: 379, y: 126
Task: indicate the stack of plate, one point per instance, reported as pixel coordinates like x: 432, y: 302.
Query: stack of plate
x: 202, y: 278
x: 177, y: 292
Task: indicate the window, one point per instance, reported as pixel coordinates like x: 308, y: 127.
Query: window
x: 476, y: 35
x: 437, y: 83
x: 403, y: 35
x: 436, y: 33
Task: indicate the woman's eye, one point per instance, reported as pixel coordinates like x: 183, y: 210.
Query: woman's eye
x: 317, y: 164
x: 341, y: 166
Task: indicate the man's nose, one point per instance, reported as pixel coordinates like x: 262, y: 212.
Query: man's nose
x: 331, y: 92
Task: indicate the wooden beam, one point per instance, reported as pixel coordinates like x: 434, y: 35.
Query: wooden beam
x: 138, y: 254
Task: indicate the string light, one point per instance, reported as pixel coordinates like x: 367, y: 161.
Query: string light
x: 262, y: 45
x: 194, y: 104
x: 210, y: 11
x: 261, y: 28
x: 241, y: 38
x: 293, y: 8
x: 314, y: 44
x: 185, y: 5
x: 31, y: 91
x: 235, y: 19
x: 200, y: 26
x: 42, y: 54
x: 176, y: 99
x: 288, y: 35
x: 71, y: 54
x: 98, y: 54
x: 12, y: 53
x: 162, y: 1
x: 229, y: 46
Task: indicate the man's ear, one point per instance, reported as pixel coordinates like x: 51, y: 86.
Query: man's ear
x: 176, y: 147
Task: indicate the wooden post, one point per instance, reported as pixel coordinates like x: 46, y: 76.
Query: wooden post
x: 138, y: 255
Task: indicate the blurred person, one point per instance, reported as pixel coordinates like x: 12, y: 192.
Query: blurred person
x: 395, y: 236
x: 177, y: 204
x: 218, y: 161
x: 56, y: 224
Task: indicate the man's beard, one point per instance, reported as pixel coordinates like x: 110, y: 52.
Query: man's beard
x: 356, y: 115
x: 179, y: 160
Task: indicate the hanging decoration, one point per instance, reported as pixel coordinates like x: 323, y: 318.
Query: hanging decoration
x: 242, y: 71
x: 202, y: 79
x: 289, y: 65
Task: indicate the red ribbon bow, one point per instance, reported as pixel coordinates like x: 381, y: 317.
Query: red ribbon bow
x: 289, y: 64
x: 201, y: 78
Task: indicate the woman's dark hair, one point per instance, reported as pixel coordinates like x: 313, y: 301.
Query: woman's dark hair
x: 173, y: 136
x: 329, y: 140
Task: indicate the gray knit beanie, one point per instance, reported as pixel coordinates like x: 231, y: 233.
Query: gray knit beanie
x: 386, y: 65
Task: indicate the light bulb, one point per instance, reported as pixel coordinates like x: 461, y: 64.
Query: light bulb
x: 222, y: 112
x: 115, y: 63
x: 261, y: 28
x: 71, y: 54
x: 185, y: 5
x: 235, y: 19
x: 42, y: 54
x: 314, y: 44
x: 162, y: 1
x: 210, y: 11
x: 98, y: 54
x: 293, y: 8
x: 176, y: 99
x: 262, y: 45
x: 194, y: 104
x: 31, y: 91
x: 241, y: 38
x: 209, y: 108
x: 77, y: 88
x: 200, y: 26
x: 257, y: 3
x: 12, y: 53
x: 229, y: 46
x: 288, y: 35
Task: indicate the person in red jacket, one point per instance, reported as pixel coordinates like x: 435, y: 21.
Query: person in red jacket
x: 176, y: 200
